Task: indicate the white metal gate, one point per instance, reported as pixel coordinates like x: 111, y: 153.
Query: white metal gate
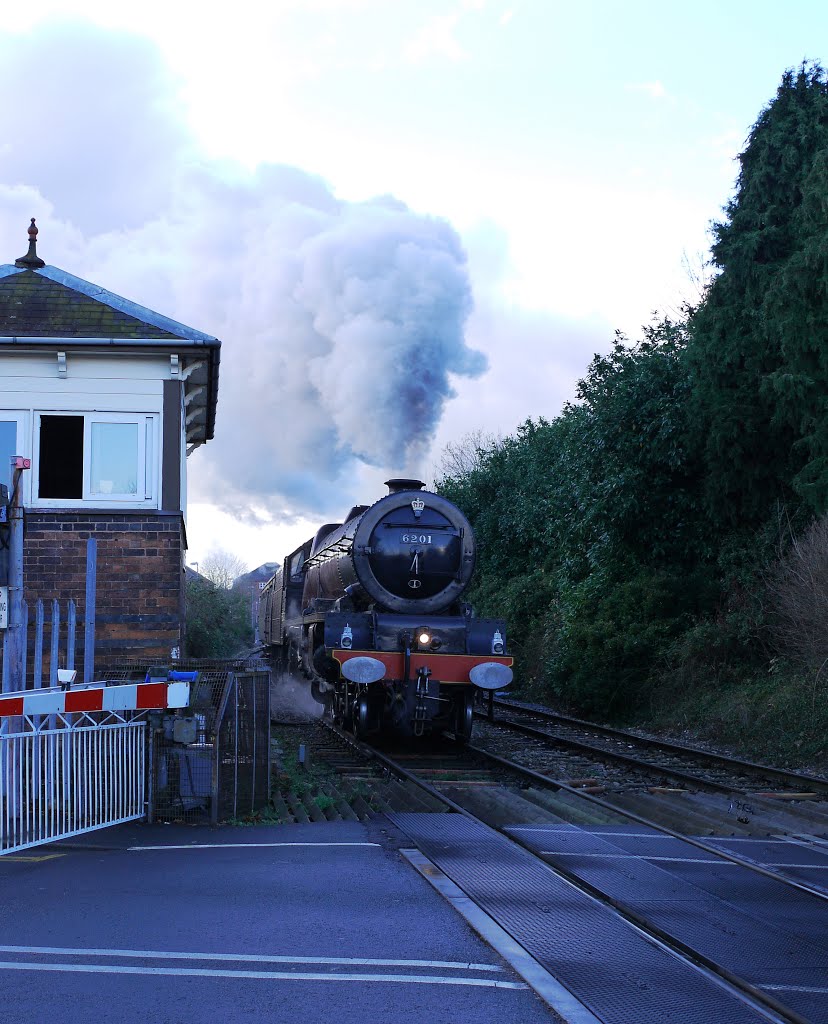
x: 79, y: 766
x: 59, y: 782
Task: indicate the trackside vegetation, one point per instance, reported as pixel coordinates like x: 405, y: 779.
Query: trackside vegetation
x: 660, y: 547
x: 218, y: 621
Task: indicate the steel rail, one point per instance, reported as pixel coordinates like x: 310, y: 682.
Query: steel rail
x: 761, y: 1001
x: 599, y: 753
x: 733, y: 763
x: 638, y: 819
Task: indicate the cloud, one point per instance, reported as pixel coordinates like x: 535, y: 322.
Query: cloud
x: 655, y: 90
x: 342, y: 323
x: 436, y: 39
x: 90, y: 120
x: 536, y: 357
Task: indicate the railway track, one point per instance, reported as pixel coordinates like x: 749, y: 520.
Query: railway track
x: 685, y: 789
x: 522, y: 804
x: 691, y: 765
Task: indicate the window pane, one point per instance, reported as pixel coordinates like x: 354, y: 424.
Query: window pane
x: 8, y: 443
x: 114, y: 468
x: 61, y: 457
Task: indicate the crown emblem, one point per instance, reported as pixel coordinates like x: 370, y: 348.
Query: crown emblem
x: 418, y: 505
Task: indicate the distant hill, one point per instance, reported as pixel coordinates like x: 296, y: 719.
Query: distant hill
x: 256, y: 576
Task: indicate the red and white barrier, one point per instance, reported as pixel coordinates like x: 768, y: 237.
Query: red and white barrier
x: 123, y: 697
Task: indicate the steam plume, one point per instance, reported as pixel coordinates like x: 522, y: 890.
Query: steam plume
x: 342, y: 322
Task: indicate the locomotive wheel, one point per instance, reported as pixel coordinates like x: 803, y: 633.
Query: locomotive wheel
x: 464, y: 718
x: 320, y: 696
x: 360, y: 717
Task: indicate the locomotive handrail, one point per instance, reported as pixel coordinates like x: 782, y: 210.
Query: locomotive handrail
x: 326, y: 553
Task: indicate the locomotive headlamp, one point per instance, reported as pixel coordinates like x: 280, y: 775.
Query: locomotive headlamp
x: 497, y: 642
x: 347, y: 638
x: 424, y: 638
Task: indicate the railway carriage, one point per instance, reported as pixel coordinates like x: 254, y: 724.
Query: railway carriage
x: 370, y: 611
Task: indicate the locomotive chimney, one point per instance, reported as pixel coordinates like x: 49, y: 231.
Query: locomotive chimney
x: 403, y: 484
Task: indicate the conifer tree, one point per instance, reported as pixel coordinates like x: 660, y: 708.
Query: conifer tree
x: 760, y: 340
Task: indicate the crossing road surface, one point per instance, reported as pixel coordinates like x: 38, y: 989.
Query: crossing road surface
x: 307, y: 923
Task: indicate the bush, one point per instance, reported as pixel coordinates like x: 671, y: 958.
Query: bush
x: 217, y: 620
x: 798, y: 588
x: 612, y: 637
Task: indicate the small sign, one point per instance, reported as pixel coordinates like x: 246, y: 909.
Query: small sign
x: 4, y: 607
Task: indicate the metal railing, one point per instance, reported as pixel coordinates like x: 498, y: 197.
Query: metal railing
x: 70, y: 778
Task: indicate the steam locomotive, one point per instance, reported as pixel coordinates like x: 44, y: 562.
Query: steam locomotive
x: 370, y: 611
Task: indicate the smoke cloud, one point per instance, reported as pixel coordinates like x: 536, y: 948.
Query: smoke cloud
x: 342, y: 323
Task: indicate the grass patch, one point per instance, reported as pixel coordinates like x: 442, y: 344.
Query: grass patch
x: 306, y: 784
x: 780, y: 717
x: 290, y: 778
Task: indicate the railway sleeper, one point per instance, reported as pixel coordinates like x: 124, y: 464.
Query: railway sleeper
x: 404, y: 797
x: 668, y: 813
x: 760, y: 817
x: 296, y: 808
x: 343, y: 805
x: 499, y: 806
x: 281, y: 808
x: 361, y: 808
x: 570, y: 809
x: 314, y: 811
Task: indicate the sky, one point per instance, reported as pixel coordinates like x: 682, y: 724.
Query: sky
x: 407, y: 220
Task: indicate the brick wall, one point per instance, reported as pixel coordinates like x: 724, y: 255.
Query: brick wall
x: 140, y: 582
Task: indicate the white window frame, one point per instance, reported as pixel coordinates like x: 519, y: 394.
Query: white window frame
x: 148, y: 489
x: 21, y: 417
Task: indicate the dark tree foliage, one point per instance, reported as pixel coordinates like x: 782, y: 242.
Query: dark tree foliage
x: 217, y: 620
x: 648, y: 568
x: 760, y: 340
x: 588, y: 525
x: 625, y: 541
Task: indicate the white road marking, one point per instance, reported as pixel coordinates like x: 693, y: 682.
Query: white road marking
x: 187, y: 972
x: 803, y: 844
x: 676, y: 860
x: 631, y: 856
x: 25, y: 859
x: 727, y: 840
x: 609, y: 836
x: 239, y: 846
x: 258, y: 958
x: 806, y: 838
x: 786, y: 864
x: 792, y: 988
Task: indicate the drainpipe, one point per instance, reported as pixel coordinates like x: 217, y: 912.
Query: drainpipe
x: 16, y: 638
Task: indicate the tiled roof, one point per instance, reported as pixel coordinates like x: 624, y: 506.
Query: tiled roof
x: 38, y: 303
x: 51, y: 303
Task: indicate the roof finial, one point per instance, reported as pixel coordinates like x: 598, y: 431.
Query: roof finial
x: 31, y: 261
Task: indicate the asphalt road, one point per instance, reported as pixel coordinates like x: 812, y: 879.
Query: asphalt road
x: 305, y: 923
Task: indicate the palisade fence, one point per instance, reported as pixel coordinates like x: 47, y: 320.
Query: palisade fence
x: 12, y: 679
x: 16, y: 638
x: 68, y: 772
